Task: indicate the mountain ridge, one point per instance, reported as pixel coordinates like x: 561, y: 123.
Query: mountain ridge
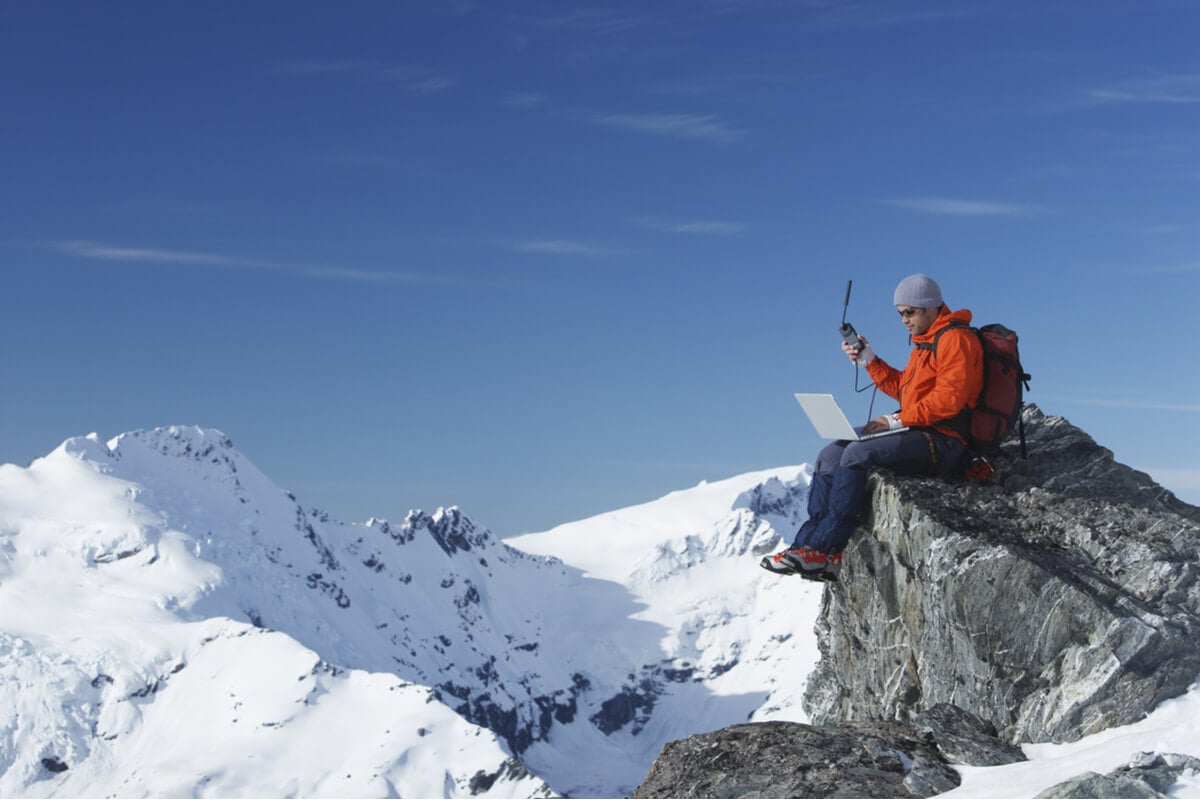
x: 178, y: 548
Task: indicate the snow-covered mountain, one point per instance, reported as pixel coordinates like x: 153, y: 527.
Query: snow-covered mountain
x: 171, y: 622
x: 706, y: 638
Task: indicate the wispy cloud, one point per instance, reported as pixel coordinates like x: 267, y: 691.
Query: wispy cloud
x: 598, y: 21
x: 562, y: 247
x: 1167, y: 89
x: 701, y: 127
x: 963, y: 208
x: 739, y: 83
x: 97, y: 251
x: 696, y: 228
x: 413, y: 79
x: 705, y: 127
x: 431, y: 84
x: 582, y: 33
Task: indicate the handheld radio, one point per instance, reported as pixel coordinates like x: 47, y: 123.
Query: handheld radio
x: 849, y: 335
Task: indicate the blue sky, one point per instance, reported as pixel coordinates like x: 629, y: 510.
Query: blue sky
x: 542, y: 260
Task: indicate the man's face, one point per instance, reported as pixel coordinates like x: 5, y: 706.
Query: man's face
x: 917, y: 320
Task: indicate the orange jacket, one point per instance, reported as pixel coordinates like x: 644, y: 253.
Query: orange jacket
x: 933, y: 389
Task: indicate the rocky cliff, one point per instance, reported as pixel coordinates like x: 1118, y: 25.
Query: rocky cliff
x: 1057, y: 601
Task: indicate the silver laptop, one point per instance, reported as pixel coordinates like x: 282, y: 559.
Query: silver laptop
x: 830, y: 421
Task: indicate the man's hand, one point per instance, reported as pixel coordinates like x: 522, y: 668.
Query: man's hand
x: 881, y: 424
x: 877, y: 425
x: 862, y: 356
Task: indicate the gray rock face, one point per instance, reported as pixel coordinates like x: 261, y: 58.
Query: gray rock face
x: 787, y: 759
x: 1060, y: 602
x: 855, y: 759
x: 964, y: 738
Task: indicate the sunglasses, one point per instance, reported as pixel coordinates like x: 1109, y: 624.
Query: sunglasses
x: 908, y: 312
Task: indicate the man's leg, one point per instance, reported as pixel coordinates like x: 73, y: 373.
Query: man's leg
x: 818, y: 491
x: 847, y: 490
x: 818, y: 504
x: 909, y: 451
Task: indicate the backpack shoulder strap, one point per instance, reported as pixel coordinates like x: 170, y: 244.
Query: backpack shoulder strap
x: 938, y: 336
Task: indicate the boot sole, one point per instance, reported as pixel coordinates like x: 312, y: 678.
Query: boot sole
x: 782, y: 569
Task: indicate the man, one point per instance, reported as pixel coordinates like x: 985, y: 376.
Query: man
x: 936, y: 391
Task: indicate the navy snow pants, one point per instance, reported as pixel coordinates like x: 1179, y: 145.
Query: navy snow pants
x: 839, y: 483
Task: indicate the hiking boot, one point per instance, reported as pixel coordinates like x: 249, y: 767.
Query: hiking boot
x: 828, y: 571
x: 804, y: 560
x: 778, y: 563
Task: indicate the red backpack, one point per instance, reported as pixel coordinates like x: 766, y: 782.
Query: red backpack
x: 1001, y: 399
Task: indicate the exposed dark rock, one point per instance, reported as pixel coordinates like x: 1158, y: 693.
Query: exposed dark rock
x: 964, y: 738
x: 1055, y: 604
x: 451, y: 529
x: 108, y: 558
x: 402, y: 535
x: 520, y: 726
x: 52, y: 764
x: 320, y: 583
x: 775, y: 498
x: 1148, y: 775
x: 788, y: 759
x: 511, y: 769
x: 632, y: 704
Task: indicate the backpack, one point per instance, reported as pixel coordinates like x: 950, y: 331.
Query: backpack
x: 1001, y: 399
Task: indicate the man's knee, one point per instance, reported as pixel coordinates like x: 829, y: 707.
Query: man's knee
x: 858, y: 455
x: 830, y: 457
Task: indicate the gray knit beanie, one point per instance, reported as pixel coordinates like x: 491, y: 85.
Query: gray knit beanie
x: 918, y: 291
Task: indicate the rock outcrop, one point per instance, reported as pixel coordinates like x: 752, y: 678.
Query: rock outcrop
x: 1055, y: 602
x: 855, y: 759
x: 859, y: 759
x: 1059, y: 602
x: 1147, y: 775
